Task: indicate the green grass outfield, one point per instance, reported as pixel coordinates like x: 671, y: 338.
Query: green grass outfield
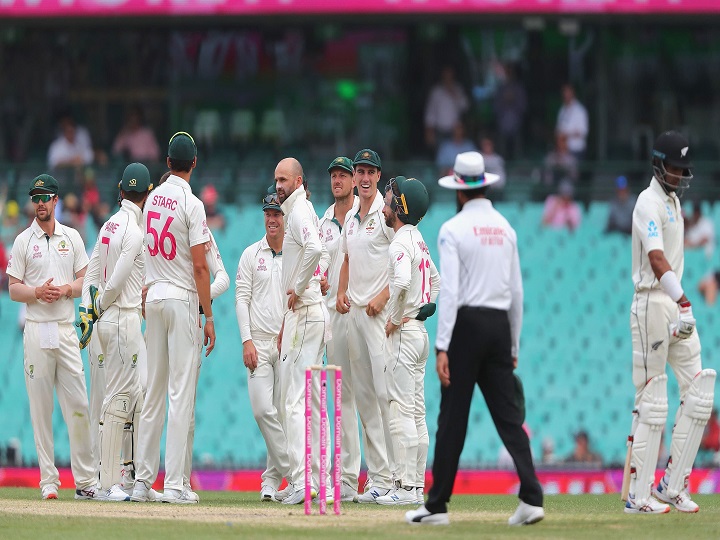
x: 233, y: 515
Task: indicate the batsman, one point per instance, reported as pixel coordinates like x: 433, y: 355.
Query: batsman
x: 663, y: 331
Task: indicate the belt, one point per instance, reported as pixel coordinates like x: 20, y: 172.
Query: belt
x: 482, y: 309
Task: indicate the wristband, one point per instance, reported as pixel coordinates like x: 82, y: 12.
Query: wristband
x: 671, y: 285
x: 685, y: 304
x: 209, y: 319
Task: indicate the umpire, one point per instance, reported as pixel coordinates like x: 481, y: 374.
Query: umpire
x: 481, y: 308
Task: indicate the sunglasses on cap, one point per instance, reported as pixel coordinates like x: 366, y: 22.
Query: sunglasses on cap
x: 42, y: 197
x: 271, y: 198
x: 397, y: 197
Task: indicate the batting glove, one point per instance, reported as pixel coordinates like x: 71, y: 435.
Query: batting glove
x: 685, y: 326
x: 426, y: 311
x: 85, y: 323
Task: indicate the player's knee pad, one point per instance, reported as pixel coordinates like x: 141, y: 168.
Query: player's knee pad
x: 688, y: 431
x: 651, y: 415
x: 113, y: 422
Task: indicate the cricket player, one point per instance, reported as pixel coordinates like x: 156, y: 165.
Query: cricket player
x: 260, y: 306
x: 45, y: 271
x: 663, y: 331
x: 178, y: 281
x: 303, y: 334
x: 117, y: 271
x: 362, y: 295
x: 414, y: 286
x: 337, y: 350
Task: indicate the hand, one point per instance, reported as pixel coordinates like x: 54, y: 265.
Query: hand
x: 209, y: 331
x: 47, y: 292
x: 390, y: 328
x: 324, y: 285
x: 85, y: 323
x: 685, y: 325
x: 342, y: 305
x: 443, y: 368
x: 377, y: 304
x: 515, y: 362
x: 250, y: 357
x: 427, y: 310
x: 144, y: 296
x: 292, y: 298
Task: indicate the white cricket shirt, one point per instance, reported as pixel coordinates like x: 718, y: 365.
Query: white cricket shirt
x: 414, y: 279
x: 366, y: 241
x: 331, y: 235
x: 36, y: 257
x: 174, y: 221
x: 259, y: 297
x: 657, y: 224
x: 480, y: 267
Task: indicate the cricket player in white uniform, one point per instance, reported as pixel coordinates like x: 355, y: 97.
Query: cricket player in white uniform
x: 337, y: 350
x: 303, y: 334
x: 414, y: 286
x: 362, y: 295
x: 112, y: 289
x: 663, y: 331
x: 45, y: 271
x: 260, y: 305
x: 178, y: 281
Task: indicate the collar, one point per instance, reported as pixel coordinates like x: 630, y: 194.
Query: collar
x: 37, y: 231
x: 132, y: 209
x: 287, y: 206
x: 177, y: 181
x: 406, y: 227
x: 330, y: 212
x: 656, y: 186
x: 265, y: 246
x: 377, y: 204
x: 479, y: 203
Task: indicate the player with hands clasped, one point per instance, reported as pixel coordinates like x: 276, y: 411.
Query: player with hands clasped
x: 414, y: 286
x: 45, y: 271
x: 663, y: 331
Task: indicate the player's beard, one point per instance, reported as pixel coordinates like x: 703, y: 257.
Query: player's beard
x: 46, y: 217
x: 390, y: 220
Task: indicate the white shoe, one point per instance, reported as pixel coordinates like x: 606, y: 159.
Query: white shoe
x: 420, y: 495
x: 118, y: 493
x: 682, y: 502
x: 526, y: 514
x: 422, y: 516
x: 647, y: 506
x: 296, y: 497
x: 398, y: 496
x: 175, y: 496
x: 268, y: 493
x: 371, y: 495
x: 50, y: 492
x: 284, y: 493
x: 190, y: 492
x: 347, y: 493
x: 91, y: 493
x: 141, y: 493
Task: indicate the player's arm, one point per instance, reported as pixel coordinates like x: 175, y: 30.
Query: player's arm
x: 243, y: 297
x: 306, y: 231
x: 342, y: 304
x: 92, y: 275
x: 515, y: 315
x: 434, y: 282
x: 130, y: 249
x: 19, y: 292
x: 449, y: 269
x: 220, y: 278
x: 402, y: 269
x: 201, y: 273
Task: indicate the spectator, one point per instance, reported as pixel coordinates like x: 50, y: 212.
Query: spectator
x: 561, y: 210
x: 72, y: 147
x: 494, y: 163
x: 510, y: 105
x: 548, y: 452
x: 445, y: 106
x: 621, y: 208
x: 450, y: 148
x: 136, y: 141
x: 209, y: 197
x: 582, y: 452
x: 560, y: 163
x: 709, y: 287
x: 72, y: 214
x: 700, y: 231
x: 572, y: 121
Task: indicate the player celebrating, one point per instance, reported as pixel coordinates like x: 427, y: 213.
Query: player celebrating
x: 331, y: 226
x: 414, y: 286
x: 663, y: 331
x: 260, y: 305
x: 178, y: 278
x: 117, y: 270
x: 45, y: 272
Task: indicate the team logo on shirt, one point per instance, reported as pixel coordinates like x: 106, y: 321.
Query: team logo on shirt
x: 37, y: 254
x: 671, y: 216
x: 306, y: 233
x: 399, y: 257
x: 370, y: 227
x: 134, y: 361
x: 101, y: 361
x: 652, y: 230
x: 261, y: 265
x: 351, y: 228
x: 328, y: 236
x: 31, y: 371
x: 63, y: 249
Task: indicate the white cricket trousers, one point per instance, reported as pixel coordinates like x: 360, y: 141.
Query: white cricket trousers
x: 338, y: 353
x: 407, y: 354
x: 96, y: 359
x: 61, y: 369
x: 366, y: 341
x: 303, y: 343
x: 264, y: 392
x: 173, y: 356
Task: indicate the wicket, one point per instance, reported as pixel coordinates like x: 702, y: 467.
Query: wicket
x: 337, y: 398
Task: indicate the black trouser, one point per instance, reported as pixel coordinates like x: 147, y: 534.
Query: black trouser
x: 480, y: 353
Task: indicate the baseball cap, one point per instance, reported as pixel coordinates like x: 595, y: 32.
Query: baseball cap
x: 136, y: 177
x: 182, y: 147
x: 341, y: 162
x: 271, y: 201
x: 44, y: 183
x: 367, y: 157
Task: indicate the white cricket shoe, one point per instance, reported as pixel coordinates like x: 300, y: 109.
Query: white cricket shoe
x: 422, y: 516
x: 190, y: 492
x: 682, y: 502
x: 268, y: 493
x: 118, y: 493
x: 50, y: 492
x: 140, y: 493
x: 526, y: 514
x: 372, y: 494
x: 175, y: 496
x: 91, y: 493
x: 296, y: 497
x: 420, y: 495
x: 284, y: 493
x: 347, y: 493
x: 398, y: 496
x: 647, y: 506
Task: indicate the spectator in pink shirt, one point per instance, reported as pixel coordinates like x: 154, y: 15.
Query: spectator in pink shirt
x: 561, y: 210
x: 136, y: 142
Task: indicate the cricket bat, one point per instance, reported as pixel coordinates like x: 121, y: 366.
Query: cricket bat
x: 626, y: 472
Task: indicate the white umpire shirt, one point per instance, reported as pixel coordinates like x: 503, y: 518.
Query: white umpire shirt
x: 480, y: 267
x: 331, y: 235
x: 657, y: 224
x: 37, y: 257
x: 259, y: 296
x: 414, y: 279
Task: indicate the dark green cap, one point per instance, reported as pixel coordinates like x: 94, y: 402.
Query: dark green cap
x: 136, y: 178
x: 44, y: 183
x: 368, y: 157
x: 182, y: 147
x: 341, y: 162
x: 271, y: 201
